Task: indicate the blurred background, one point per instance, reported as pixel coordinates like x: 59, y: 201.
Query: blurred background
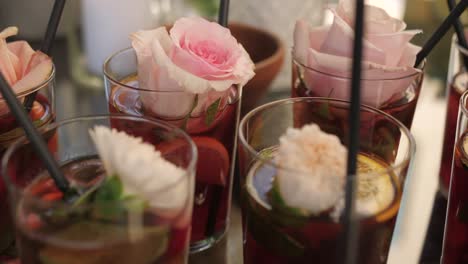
x: 91, y: 30
x: 94, y: 30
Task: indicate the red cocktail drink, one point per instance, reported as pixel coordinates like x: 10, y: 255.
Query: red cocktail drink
x: 213, y: 132
x: 42, y: 114
x: 275, y: 232
x: 52, y: 228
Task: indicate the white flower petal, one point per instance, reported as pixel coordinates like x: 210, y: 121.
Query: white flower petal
x: 142, y: 170
x: 319, y: 163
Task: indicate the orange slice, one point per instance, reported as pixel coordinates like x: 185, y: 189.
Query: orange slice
x: 37, y: 111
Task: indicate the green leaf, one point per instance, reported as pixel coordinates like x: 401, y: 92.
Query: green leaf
x: 211, y: 112
x: 187, y: 117
x: 295, y: 215
x: 267, y: 153
x: 110, y: 190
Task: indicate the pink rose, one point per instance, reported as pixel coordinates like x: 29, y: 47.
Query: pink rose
x: 198, y: 57
x: 22, y: 67
x: 388, y: 56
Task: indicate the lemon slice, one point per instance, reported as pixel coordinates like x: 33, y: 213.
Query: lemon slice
x: 376, y: 189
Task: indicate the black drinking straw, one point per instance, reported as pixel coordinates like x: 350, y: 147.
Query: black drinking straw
x: 32, y: 134
x: 223, y: 14
x: 210, y: 229
x: 349, y: 241
x: 457, y: 25
x: 440, y: 32
x: 47, y: 43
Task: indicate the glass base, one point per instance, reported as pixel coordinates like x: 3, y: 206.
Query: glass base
x: 207, y: 243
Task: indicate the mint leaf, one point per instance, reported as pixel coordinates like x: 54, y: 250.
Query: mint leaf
x: 282, y: 213
x: 110, y: 190
x: 267, y: 153
x: 187, y: 117
x: 211, y: 112
x: 111, y: 204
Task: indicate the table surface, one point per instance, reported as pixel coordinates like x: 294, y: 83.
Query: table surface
x: 74, y: 100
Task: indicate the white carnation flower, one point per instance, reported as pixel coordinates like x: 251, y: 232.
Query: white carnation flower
x: 142, y: 170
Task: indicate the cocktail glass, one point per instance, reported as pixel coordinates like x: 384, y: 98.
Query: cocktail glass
x: 42, y: 113
x: 212, y: 131
x: 396, y: 96
x: 274, y: 235
x: 457, y: 81
x: 455, y: 246
x: 51, y: 230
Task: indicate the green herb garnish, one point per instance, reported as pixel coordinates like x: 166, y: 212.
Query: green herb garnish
x: 211, y: 112
x: 279, y: 205
x: 187, y: 117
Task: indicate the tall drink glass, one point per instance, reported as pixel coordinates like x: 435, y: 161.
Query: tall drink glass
x: 455, y: 246
x: 396, y: 96
x: 457, y: 81
x: 51, y: 230
x: 277, y: 236
x: 213, y: 133
x: 42, y: 114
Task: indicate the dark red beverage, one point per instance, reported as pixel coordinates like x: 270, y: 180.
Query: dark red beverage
x: 215, y: 147
x: 457, y: 87
x: 275, y: 237
x: 53, y: 231
x: 41, y: 114
x: 402, y: 107
x: 455, y: 249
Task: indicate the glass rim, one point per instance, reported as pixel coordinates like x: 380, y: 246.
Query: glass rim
x: 36, y: 88
x: 463, y: 103
x: 258, y: 157
x: 461, y: 49
x: 421, y: 67
x: 20, y: 142
x: 111, y: 78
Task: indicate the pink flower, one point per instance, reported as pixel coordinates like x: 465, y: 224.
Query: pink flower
x: 22, y: 67
x: 198, y: 57
x: 388, y: 55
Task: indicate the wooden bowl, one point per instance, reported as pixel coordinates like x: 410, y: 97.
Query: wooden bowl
x: 267, y: 52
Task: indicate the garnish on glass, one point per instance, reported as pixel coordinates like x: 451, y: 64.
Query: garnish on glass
x: 189, y: 70
x: 130, y: 182
x: 311, y: 174
x: 24, y: 69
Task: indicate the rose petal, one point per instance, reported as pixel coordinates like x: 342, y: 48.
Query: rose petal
x: 378, y: 85
x: 377, y: 19
x: 8, y: 60
x: 192, y: 36
x: 36, y: 76
x: 206, y: 61
x: 301, y: 40
x: 339, y: 42
x: 408, y: 58
x: 394, y: 45
x: 23, y: 52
